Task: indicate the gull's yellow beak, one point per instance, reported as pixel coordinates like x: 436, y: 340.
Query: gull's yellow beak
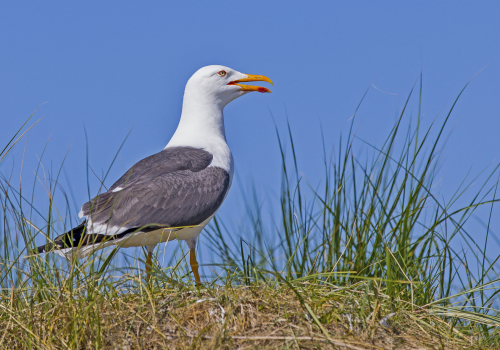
x: 251, y: 77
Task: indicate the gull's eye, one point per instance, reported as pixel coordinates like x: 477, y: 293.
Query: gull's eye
x: 222, y: 73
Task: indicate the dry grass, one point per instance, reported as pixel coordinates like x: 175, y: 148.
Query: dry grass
x: 224, y: 317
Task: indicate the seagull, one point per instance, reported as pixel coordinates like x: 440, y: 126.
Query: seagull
x: 172, y: 194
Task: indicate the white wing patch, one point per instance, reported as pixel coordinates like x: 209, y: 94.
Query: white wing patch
x: 103, y: 229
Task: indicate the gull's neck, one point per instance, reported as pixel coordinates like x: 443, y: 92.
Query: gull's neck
x: 202, y: 126
x: 201, y: 123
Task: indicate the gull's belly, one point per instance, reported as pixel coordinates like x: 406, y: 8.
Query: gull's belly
x: 162, y: 235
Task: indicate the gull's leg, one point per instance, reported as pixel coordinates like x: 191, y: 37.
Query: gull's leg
x: 194, y: 265
x: 192, y: 259
x: 149, y: 262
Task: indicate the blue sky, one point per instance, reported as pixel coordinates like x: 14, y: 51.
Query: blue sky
x: 114, y: 66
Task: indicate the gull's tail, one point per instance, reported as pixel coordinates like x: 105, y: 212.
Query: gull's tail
x: 74, y: 238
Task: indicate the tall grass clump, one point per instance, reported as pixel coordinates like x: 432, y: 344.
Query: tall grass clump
x: 376, y: 223
x: 366, y: 259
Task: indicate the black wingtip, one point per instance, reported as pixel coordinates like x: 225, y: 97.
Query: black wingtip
x: 67, y: 239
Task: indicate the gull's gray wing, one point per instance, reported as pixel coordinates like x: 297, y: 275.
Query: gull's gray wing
x: 172, y: 188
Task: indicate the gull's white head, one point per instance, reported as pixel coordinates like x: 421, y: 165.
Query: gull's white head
x: 220, y: 85
x: 207, y: 92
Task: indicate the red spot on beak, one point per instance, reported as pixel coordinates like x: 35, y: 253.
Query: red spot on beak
x: 263, y: 89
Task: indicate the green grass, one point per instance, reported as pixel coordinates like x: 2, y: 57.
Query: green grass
x: 372, y: 240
